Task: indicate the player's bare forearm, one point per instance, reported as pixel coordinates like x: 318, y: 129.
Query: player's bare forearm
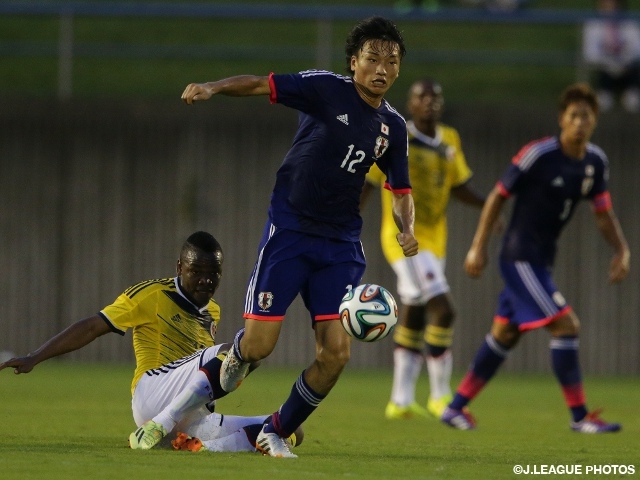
x: 476, y: 258
x: 611, y: 230
x: 465, y: 194
x: 72, y: 338
x: 238, y: 86
x: 404, y: 215
x: 490, y: 213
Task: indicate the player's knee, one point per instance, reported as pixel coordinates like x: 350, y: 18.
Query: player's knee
x: 565, y: 326
x: 333, y: 360
x: 255, y: 352
x: 443, y: 318
x: 505, y: 335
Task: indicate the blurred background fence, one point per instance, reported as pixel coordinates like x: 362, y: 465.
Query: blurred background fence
x: 104, y: 172
x: 98, y: 196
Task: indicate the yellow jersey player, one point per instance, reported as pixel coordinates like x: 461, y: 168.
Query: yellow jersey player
x: 174, y: 323
x: 437, y: 169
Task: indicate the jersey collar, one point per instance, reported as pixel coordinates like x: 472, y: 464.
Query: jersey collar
x: 433, y: 142
x: 176, y: 280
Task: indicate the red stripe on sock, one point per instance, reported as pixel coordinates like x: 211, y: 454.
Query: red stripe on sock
x: 573, y: 395
x: 471, y: 385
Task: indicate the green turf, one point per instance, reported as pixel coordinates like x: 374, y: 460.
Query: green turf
x: 156, y: 57
x: 72, y: 421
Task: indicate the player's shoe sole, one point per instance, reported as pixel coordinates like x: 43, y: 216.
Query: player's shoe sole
x: 147, y: 436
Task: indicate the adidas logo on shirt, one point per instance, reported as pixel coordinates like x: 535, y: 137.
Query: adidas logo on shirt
x: 557, y: 182
x: 343, y: 118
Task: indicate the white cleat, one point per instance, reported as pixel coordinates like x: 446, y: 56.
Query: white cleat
x: 232, y: 371
x: 274, y: 445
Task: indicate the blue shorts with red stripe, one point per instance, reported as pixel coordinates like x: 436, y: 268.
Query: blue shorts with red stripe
x: 529, y: 299
x: 322, y: 270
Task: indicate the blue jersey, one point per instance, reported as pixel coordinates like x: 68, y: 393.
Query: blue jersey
x: 339, y: 137
x: 548, y: 185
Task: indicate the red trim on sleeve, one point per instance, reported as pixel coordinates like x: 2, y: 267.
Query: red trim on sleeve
x: 516, y: 159
x: 264, y: 318
x: 602, y: 202
x: 273, y: 96
x: 398, y: 190
x: 503, y: 191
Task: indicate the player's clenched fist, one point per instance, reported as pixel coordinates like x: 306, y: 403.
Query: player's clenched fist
x: 408, y: 243
x: 196, y: 91
x: 475, y: 262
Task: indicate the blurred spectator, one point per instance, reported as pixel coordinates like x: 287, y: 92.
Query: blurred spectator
x: 611, y: 52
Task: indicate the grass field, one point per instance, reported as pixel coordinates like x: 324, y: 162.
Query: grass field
x: 156, y: 57
x: 67, y: 421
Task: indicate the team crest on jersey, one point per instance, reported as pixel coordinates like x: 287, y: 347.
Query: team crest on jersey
x: 176, y: 318
x: 587, y: 182
x: 265, y: 300
x: 382, y: 143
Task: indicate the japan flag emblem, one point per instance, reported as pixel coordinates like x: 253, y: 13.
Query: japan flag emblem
x: 384, y: 128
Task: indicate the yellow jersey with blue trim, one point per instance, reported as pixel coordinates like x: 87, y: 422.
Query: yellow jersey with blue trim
x: 166, y: 324
x: 436, y: 165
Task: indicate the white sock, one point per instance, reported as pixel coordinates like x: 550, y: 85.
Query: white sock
x: 440, y: 374
x: 194, y: 396
x: 236, y: 442
x: 406, y: 368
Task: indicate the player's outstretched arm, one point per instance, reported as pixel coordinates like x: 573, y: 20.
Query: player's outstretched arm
x: 72, y: 338
x: 476, y: 258
x: 238, y: 86
x: 609, y: 226
x: 404, y: 215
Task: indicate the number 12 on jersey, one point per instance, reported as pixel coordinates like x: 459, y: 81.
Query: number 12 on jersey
x: 349, y: 162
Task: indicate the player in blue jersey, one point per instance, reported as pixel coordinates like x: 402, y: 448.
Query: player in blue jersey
x: 548, y: 178
x: 311, y: 243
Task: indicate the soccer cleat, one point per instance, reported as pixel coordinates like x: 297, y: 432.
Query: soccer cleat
x: 396, y: 412
x: 147, y: 436
x: 274, y: 445
x: 232, y: 371
x: 185, y: 442
x: 592, y: 423
x: 436, y: 407
x: 460, y: 419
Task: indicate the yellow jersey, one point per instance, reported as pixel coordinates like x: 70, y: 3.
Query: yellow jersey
x: 436, y: 165
x: 166, y: 325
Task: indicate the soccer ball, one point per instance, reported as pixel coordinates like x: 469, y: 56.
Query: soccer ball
x: 368, y: 312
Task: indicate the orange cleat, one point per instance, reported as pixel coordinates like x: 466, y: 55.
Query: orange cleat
x: 185, y: 442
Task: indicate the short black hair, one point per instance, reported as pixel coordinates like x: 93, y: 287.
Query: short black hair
x: 203, y: 241
x: 575, y: 93
x: 373, y: 28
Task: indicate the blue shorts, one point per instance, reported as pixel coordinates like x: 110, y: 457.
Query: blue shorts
x: 529, y: 299
x: 322, y: 270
